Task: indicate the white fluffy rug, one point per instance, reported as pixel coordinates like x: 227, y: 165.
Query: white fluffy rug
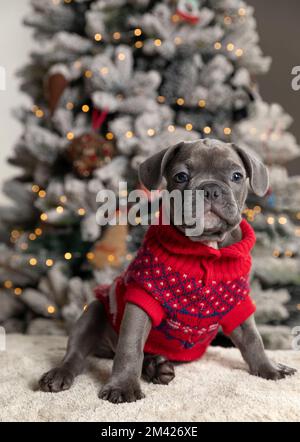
x: 216, y: 388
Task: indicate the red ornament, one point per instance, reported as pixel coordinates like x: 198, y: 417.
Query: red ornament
x: 89, y: 152
x: 189, y: 10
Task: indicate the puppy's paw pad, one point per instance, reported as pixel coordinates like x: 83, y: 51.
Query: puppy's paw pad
x: 55, y: 380
x: 118, y: 393
x: 158, y: 369
x: 275, y: 372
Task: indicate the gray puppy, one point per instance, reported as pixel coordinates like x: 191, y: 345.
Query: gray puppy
x: 221, y: 171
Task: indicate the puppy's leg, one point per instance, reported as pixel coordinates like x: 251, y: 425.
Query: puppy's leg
x: 247, y: 339
x: 124, y: 383
x: 158, y: 369
x: 89, y: 335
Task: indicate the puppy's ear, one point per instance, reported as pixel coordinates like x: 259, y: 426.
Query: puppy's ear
x: 256, y: 170
x: 151, y: 171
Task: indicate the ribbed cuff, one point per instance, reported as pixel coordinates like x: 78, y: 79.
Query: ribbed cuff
x: 238, y: 315
x: 138, y: 296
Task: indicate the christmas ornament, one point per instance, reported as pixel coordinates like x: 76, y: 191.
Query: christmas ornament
x: 111, y: 249
x: 89, y: 152
x: 56, y: 85
x: 189, y: 10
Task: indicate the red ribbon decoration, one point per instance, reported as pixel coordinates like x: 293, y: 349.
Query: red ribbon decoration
x: 98, y: 118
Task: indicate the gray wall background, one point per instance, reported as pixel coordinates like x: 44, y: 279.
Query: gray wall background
x: 279, y: 29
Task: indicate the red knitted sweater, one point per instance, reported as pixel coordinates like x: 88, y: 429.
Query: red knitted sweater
x: 187, y: 288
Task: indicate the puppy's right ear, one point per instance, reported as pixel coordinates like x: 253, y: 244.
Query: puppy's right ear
x: 151, y: 171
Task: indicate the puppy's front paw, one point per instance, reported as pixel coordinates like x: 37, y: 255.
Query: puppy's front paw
x: 118, y: 391
x: 55, y: 380
x: 274, y: 372
x: 158, y: 369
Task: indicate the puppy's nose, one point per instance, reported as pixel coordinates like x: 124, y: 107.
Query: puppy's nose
x: 212, y: 192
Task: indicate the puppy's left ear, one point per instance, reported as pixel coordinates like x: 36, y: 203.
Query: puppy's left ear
x: 151, y: 171
x: 256, y: 170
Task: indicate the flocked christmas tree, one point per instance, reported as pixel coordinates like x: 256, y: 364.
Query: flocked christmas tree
x: 112, y: 82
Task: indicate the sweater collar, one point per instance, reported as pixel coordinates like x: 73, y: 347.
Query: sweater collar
x: 176, y: 242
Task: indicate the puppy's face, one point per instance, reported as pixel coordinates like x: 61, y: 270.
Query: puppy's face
x: 220, y: 170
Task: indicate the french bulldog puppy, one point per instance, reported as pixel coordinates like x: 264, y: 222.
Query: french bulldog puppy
x: 151, y: 332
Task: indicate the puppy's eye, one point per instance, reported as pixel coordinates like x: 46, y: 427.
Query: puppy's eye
x: 237, y: 177
x: 181, y: 177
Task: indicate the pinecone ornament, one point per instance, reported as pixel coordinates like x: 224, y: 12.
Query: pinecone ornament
x: 88, y: 152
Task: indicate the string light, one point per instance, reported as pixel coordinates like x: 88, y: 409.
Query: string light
x: 175, y: 18
x: 230, y: 47
x: 178, y: 40
x: 239, y: 52
x: 70, y: 105
x: 151, y: 132
x: 63, y: 199
x: 289, y: 253
x: 59, y: 209
x: 81, y: 211
x: 24, y: 246
x: 33, y: 261
x: 35, y: 188
x: 90, y: 256
x: 88, y: 74
x: 282, y: 220
x: 242, y: 12
x: 39, y: 113
x: 217, y: 45
x: 98, y: 37
x: 42, y: 193
x: 207, y: 130
x: 18, y: 291
x: 32, y: 236
x: 227, y: 20
x: 121, y: 56
x: 180, y: 101
x: 44, y: 216
x: 51, y: 309
x: 129, y: 257
x: 77, y: 64
x: 111, y: 258
x: 49, y: 262
x: 161, y: 99
x: 129, y: 134
x: 227, y: 131
x: 201, y: 103
x: 137, y: 32
x: 116, y: 35
x: 157, y: 42
x: 85, y: 108
x: 109, y: 136
x: 8, y: 284
x: 171, y: 128
x: 104, y: 70
x: 189, y: 127
x: 139, y: 44
x: 276, y: 253
x: 70, y: 136
x: 68, y: 256
x: 271, y: 220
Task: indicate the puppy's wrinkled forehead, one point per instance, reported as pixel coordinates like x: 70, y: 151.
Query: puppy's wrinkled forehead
x: 205, y: 154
